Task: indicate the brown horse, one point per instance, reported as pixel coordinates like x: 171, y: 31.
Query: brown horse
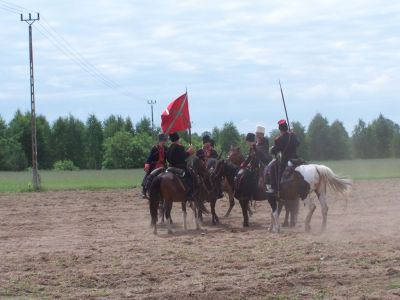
x: 236, y: 158
x: 168, y: 188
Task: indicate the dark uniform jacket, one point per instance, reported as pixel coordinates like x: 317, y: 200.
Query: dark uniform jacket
x: 258, y: 154
x: 176, y: 156
x: 202, y: 154
x: 286, y: 143
x: 154, y: 156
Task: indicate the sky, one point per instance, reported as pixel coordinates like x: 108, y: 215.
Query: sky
x: 338, y: 58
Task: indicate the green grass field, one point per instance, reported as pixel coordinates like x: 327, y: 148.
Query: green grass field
x: 69, y: 180
x: 106, y: 179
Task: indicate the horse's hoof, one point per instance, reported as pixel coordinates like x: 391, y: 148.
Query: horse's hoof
x: 245, y: 224
x: 285, y: 225
x: 227, y: 215
x: 170, y: 231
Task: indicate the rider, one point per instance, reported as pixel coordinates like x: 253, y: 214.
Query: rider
x: 286, y: 144
x: 207, y: 151
x: 176, y: 157
x: 262, y: 146
x: 258, y: 155
x: 156, y: 159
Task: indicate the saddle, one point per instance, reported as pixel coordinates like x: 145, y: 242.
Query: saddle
x: 178, y: 172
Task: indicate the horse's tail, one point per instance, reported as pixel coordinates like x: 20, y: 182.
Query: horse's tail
x: 337, y: 184
x: 154, y: 199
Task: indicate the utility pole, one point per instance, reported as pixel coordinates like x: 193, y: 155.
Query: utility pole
x: 151, y: 103
x: 35, y: 179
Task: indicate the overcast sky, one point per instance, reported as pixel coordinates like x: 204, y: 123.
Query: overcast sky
x: 339, y: 58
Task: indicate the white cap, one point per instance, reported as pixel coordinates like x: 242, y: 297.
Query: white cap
x: 260, y: 129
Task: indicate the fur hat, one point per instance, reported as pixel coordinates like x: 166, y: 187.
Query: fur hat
x: 173, y: 137
x: 162, y: 137
x: 283, y: 125
x: 206, y: 139
x: 260, y: 129
x: 250, y: 137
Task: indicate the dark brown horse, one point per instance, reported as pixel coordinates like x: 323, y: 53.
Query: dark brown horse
x: 235, y: 157
x: 168, y: 188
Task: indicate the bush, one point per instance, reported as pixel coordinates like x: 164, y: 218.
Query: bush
x: 65, y: 165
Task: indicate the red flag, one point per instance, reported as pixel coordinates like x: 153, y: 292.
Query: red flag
x: 176, y: 116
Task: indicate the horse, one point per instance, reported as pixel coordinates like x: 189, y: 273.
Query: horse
x: 236, y: 157
x: 211, y: 189
x: 168, y: 188
x: 308, y: 179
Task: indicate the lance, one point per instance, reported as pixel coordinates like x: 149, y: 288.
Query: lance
x: 284, y: 105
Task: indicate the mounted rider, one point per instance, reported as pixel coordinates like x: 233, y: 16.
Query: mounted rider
x: 176, y: 157
x: 207, y: 151
x: 258, y: 156
x: 285, y: 144
x: 155, y: 160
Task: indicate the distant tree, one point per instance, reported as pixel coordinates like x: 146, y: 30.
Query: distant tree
x: 128, y: 127
x: 94, y: 142
x: 67, y: 140
x: 12, y: 156
x: 395, y: 145
x: 144, y: 126
x: 3, y: 128
x: 112, y: 125
x: 123, y: 151
x: 299, y: 130
x: 339, y: 139
x: 383, y: 131
x: 228, y: 135
x: 43, y: 137
x: 360, y: 141
x: 319, y: 141
x: 19, y: 130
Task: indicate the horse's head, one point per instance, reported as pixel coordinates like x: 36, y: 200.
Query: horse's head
x: 235, y: 155
x: 199, y: 167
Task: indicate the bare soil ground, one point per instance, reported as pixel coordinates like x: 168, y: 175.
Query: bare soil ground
x: 98, y: 245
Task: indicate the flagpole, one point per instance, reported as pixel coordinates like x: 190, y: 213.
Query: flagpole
x: 190, y: 128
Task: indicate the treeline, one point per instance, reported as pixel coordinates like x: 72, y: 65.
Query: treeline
x: 116, y: 142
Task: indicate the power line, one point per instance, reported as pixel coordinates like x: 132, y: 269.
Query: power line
x: 74, y: 59
x: 66, y: 48
x: 9, y: 9
x: 15, y: 6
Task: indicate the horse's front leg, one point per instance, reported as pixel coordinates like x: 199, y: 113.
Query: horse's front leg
x: 231, y: 203
x: 294, y: 211
x: 281, y: 204
x: 184, y: 214
x: 196, y: 213
x: 275, y: 226
x: 244, y: 204
x: 215, y: 219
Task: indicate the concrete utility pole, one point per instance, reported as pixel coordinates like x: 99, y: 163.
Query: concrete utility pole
x: 35, y: 179
x: 152, y: 102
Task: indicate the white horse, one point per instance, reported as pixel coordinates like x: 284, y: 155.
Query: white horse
x: 308, y: 179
